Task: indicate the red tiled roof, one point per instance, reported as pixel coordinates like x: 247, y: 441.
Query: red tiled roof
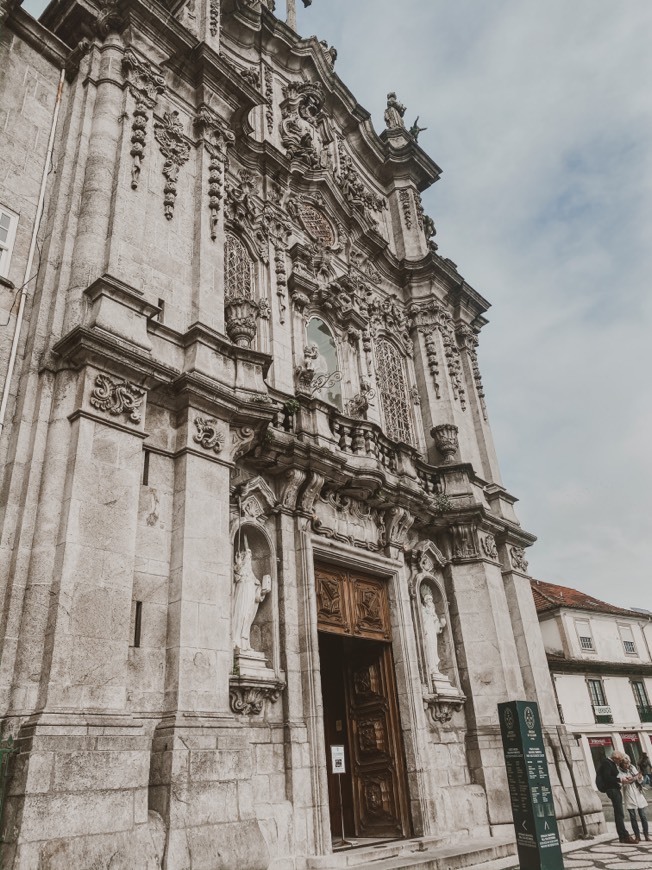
x: 550, y: 596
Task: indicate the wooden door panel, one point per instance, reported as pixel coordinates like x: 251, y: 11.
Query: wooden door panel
x: 332, y: 601
x: 380, y: 805
x: 370, y: 610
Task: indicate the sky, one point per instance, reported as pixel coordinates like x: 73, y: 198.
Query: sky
x: 540, y: 115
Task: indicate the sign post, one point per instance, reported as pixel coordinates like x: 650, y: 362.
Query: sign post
x: 338, y: 768
x: 533, y: 809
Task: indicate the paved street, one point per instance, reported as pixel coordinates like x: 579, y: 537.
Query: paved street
x: 608, y: 856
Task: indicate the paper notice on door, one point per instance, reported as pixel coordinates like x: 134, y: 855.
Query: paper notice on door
x: 337, y: 759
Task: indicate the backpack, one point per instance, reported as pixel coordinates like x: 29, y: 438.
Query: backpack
x: 599, y: 781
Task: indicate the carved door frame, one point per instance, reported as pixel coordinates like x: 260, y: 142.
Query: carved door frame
x: 352, y: 603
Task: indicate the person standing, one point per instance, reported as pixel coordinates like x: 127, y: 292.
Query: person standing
x: 633, y: 799
x: 608, y: 773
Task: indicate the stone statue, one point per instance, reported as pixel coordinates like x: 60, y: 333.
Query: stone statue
x: 433, y: 625
x: 415, y: 129
x: 394, y: 113
x: 249, y: 592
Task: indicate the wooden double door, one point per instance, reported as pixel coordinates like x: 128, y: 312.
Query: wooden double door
x: 360, y: 706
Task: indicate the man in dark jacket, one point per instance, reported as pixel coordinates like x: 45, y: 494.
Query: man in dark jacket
x: 608, y: 772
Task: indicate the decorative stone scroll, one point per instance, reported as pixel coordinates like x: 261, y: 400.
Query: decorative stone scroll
x: 214, y: 17
x: 302, y: 114
x: 176, y: 150
x: 361, y: 402
x: 117, y: 397
x: 145, y: 85
x: 247, y: 698
x: 208, y: 434
x: 517, y: 556
x: 217, y: 138
x: 241, y: 441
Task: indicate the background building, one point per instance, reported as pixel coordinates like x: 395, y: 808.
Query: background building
x: 601, y: 666
x: 251, y: 503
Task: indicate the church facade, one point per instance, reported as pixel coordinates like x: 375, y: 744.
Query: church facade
x: 251, y: 508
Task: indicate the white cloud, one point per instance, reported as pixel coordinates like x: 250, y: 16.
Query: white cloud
x: 539, y: 115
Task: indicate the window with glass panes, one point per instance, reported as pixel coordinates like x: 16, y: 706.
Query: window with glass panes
x: 596, y: 691
x: 627, y: 637
x: 640, y: 693
x: 8, y: 222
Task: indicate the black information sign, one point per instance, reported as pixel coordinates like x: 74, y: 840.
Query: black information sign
x: 537, y: 835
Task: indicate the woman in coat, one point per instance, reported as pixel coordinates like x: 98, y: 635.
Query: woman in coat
x: 633, y: 798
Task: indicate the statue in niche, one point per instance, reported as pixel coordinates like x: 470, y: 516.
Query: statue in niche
x: 394, y: 113
x: 433, y: 625
x: 249, y: 593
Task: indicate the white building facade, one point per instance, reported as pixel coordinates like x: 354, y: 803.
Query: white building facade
x: 601, y: 665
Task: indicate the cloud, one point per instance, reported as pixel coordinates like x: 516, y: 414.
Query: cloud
x: 539, y: 115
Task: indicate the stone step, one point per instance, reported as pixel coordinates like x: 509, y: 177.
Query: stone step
x: 417, y: 854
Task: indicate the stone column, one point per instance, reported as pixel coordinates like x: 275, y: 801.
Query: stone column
x: 89, y: 256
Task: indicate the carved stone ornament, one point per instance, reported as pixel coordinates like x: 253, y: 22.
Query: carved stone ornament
x: 145, y: 85
x: 302, y: 115
x: 360, y: 403
x: 241, y: 441
x: 307, y: 381
x: 355, y: 191
x: 208, y: 434
x: 247, y: 697
x: 445, y: 437
x: 430, y: 318
x: 346, y: 519
x: 488, y: 544
x: 311, y: 492
x: 217, y: 138
x: 240, y: 206
x: 463, y: 536
x: 214, y: 17
x: 312, y: 219
x: 398, y: 522
x: 176, y: 150
x: 468, y: 338
x: 110, y: 18
x: 117, y: 397
x: 294, y: 477
x: 440, y: 708
x: 269, y: 97
x: 405, y: 198
x: 517, y: 555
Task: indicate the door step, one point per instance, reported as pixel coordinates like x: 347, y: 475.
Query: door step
x: 421, y: 853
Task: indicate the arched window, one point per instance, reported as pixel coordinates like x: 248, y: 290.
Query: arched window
x: 327, y: 370
x: 393, y: 391
x: 238, y: 269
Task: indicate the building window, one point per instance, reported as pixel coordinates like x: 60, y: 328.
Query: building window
x: 393, y: 392
x: 627, y: 637
x: 8, y: 223
x: 238, y: 269
x: 601, y: 710
x: 584, y: 635
x: 642, y: 701
x: 327, y: 373
x: 596, y: 691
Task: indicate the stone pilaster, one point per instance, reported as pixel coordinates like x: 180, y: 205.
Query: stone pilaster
x: 90, y: 252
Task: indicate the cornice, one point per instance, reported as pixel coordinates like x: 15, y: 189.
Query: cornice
x: 581, y: 666
x: 37, y: 36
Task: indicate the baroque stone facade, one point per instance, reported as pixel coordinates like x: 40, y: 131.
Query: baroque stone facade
x: 244, y: 444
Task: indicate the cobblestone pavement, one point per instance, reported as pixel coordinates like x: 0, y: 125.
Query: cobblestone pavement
x: 609, y: 856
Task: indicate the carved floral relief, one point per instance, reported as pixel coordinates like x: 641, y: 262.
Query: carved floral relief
x: 117, y: 397
x: 176, y: 150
